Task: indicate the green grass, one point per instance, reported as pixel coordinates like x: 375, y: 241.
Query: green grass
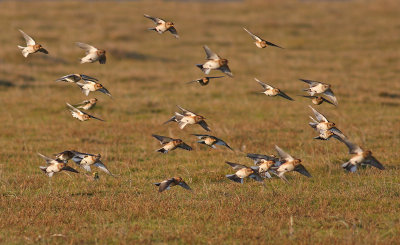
x: 351, y: 44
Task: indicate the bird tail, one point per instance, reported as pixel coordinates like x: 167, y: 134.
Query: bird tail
x: 235, y: 178
x: 349, y: 167
x: 162, y: 150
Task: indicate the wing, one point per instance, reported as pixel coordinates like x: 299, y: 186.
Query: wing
x: 318, y: 115
x: 28, y: 39
x: 327, y: 101
x: 256, y: 177
x: 204, y: 125
x: 223, y: 143
x: 200, y: 136
x: 47, y: 159
x: 165, y: 185
x: 301, y: 169
x: 94, y: 117
x: 331, y: 96
x: 353, y: 148
x: 88, y: 78
x: 184, y: 185
x: 102, y: 59
x: 102, y: 167
x: 185, y: 147
x: 225, y: 69
x: 105, y: 91
x: 88, y: 48
x: 283, y: 154
x: 174, y: 32
x: 69, y: 78
x: 186, y: 112
x: 264, y: 85
x: 75, y: 109
x: 154, y: 19
x: 252, y: 35
x: 257, y: 157
x: 373, y: 162
x: 68, y: 168
x: 162, y: 139
x: 272, y: 44
x: 282, y: 94
x: 310, y: 82
x: 210, y: 54
x: 215, y: 77
x: 236, y: 166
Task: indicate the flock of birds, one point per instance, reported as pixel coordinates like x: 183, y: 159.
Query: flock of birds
x: 265, y: 165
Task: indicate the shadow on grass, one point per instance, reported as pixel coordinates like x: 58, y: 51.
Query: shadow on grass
x: 5, y: 83
x: 123, y: 54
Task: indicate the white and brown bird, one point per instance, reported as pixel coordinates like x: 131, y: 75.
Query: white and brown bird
x: 264, y: 163
x: 162, y: 26
x: 74, y: 78
x: 271, y: 91
x: 92, y: 54
x: 31, y: 46
x: 87, y: 104
x: 55, y: 166
x: 168, y: 183
x: 203, y: 81
x: 80, y: 115
x: 316, y: 87
x: 243, y: 172
x: 259, y: 42
x: 214, y: 62
x: 170, y: 144
x: 321, y: 123
x: 211, y: 141
x: 92, y: 86
x: 317, y: 100
x: 86, y: 160
x: 289, y: 164
x: 187, y: 117
x: 361, y: 157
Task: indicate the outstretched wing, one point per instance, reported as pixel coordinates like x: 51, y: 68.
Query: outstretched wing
x: 154, y: 19
x: 88, y: 48
x: 285, y: 156
x: 28, y: 39
x: 353, y: 148
x: 264, y: 85
x: 174, y: 32
x: 282, y: 94
x: 331, y: 96
x: 184, y: 185
x: 210, y: 54
x: 236, y: 166
x: 255, y: 37
x: 301, y: 169
x: 102, y: 167
x: 204, y: 125
x: 310, y: 82
x: 319, y: 116
x: 162, y: 139
x: 373, y: 162
x: 185, y: 146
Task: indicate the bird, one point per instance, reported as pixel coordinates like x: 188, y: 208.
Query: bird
x: 259, y: 42
x: 328, y: 134
x: 271, y: 91
x: 65, y: 155
x: 289, y: 164
x: 214, y: 62
x: 87, y: 104
x: 92, y: 54
x: 322, y: 123
x: 91, y: 86
x: 204, y: 81
x: 211, y: 141
x: 80, y: 115
x: 31, y: 46
x: 317, y: 100
x: 55, y: 166
x: 163, y: 26
x: 243, y: 172
x: 187, y: 117
x: 361, y: 156
x: 170, y: 144
x: 73, y: 78
x: 85, y: 160
x: 168, y: 183
x: 320, y: 88
x: 264, y: 163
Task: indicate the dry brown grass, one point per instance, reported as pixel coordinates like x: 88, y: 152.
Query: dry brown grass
x: 354, y: 45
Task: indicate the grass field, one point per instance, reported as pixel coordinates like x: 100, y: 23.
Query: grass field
x: 354, y: 45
